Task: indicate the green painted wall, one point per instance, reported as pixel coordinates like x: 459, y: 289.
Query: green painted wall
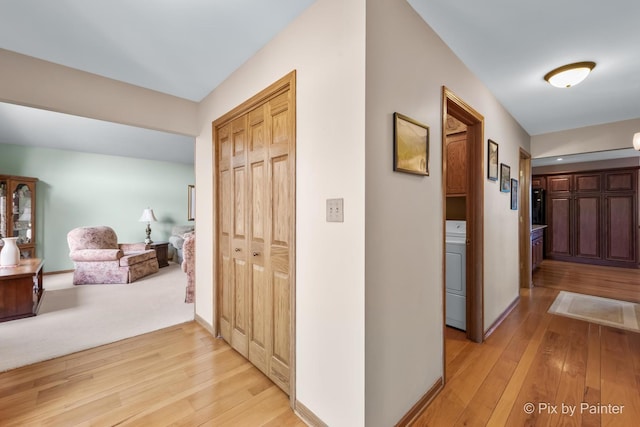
x: 82, y: 189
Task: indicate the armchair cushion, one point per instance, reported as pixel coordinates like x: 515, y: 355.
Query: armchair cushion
x: 136, y: 257
x: 96, y: 255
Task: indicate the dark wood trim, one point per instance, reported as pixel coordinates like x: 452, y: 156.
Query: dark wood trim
x: 308, y: 416
x: 421, y: 404
x: 460, y: 110
x: 503, y: 316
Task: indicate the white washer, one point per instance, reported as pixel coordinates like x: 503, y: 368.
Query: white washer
x: 456, y: 280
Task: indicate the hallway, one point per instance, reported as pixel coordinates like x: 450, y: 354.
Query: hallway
x: 554, y: 363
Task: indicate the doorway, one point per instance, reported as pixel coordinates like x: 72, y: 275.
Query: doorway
x: 524, y: 219
x: 463, y: 193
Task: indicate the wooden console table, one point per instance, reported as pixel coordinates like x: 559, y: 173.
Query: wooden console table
x: 20, y: 289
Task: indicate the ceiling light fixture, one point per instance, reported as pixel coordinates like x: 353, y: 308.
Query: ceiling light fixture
x: 570, y: 74
x: 636, y: 141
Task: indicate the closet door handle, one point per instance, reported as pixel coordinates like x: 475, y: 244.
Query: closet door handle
x: 238, y: 249
x: 256, y: 253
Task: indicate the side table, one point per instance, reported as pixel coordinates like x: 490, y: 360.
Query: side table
x: 20, y: 289
x: 162, y: 252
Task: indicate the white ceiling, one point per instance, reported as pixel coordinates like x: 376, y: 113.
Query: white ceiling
x: 183, y: 48
x: 509, y: 45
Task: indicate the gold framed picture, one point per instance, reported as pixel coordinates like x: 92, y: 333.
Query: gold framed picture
x: 492, y: 161
x: 411, y: 145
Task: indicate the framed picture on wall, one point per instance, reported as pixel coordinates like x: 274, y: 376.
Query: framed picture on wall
x: 514, y: 194
x: 492, y: 161
x: 505, y: 177
x: 191, y: 202
x: 410, y: 145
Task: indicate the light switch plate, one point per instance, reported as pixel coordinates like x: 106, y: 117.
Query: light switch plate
x: 335, y: 210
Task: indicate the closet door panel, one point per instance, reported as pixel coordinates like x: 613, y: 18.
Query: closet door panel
x: 225, y: 212
x: 259, y: 290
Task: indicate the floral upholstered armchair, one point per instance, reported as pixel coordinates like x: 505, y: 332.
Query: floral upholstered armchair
x: 98, y: 257
x: 189, y: 265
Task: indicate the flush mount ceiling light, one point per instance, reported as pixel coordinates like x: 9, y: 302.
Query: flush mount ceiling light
x: 570, y: 74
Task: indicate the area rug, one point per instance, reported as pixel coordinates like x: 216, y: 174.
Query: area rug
x: 73, y: 318
x: 603, y: 311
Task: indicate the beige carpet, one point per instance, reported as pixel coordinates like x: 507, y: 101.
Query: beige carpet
x: 73, y: 318
x: 604, y: 311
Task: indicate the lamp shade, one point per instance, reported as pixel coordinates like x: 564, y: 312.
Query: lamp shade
x: 569, y: 75
x: 147, y: 216
x: 636, y: 141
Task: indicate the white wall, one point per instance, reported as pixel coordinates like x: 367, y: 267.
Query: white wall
x: 609, y: 136
x: 326, y: 45
x: 407, y: 64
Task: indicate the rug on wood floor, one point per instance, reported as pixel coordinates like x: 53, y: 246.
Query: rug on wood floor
x: 73, y: 318
x: 603, y: 311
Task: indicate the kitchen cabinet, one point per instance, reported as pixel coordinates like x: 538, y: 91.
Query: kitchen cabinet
x: 592, y: 217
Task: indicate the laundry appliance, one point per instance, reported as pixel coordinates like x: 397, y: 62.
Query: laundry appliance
x: 456, y: 274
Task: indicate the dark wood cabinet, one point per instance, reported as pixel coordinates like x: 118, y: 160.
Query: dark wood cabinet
x: 18, y: 212
x: 620, y: 219
x: 559, y: 215
x: 457, y: 164
x: 539, y: 182
x: 592, y: 217
x: 537, y: 247
x: 588, y: 221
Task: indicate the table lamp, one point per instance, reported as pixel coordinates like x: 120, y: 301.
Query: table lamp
x: 148, y: 216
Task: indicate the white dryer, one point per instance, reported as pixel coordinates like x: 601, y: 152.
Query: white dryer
x: 456, y: 280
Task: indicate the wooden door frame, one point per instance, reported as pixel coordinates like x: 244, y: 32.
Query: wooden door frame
x: 287, y: 82
x: 524, y: 219
x: 457, y: 108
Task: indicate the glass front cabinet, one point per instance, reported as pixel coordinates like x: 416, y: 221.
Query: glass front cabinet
x: 18, y: 212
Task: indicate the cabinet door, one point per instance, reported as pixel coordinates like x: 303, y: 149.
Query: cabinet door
x: 457, y: 164
x: 588, y: 182
x: 620, y: 222
x: 559, y: 183
x: 588, y: 227
x: 559, y: 231
x: 538, y: 182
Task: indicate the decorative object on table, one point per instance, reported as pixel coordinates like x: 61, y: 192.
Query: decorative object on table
x: 505, y: 178
x: 492, y: 161
x: 99, y: 258
x: 148, y: 217
x: 514, y: 194
x: 191, y: 202
x: 410, y: 145
x: 10, y: 254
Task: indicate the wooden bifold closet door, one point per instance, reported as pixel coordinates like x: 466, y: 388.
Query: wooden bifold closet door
x: 255, y: 146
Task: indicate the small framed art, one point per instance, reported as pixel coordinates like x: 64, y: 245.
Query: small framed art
x: 514, y: 194
x: 505, y: 177
x: 410, y: 145
x: 492, y: 161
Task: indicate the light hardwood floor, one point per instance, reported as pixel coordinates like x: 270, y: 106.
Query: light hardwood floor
x: 539, y: 358
x: 178, y: 376
x: 183, y: 376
